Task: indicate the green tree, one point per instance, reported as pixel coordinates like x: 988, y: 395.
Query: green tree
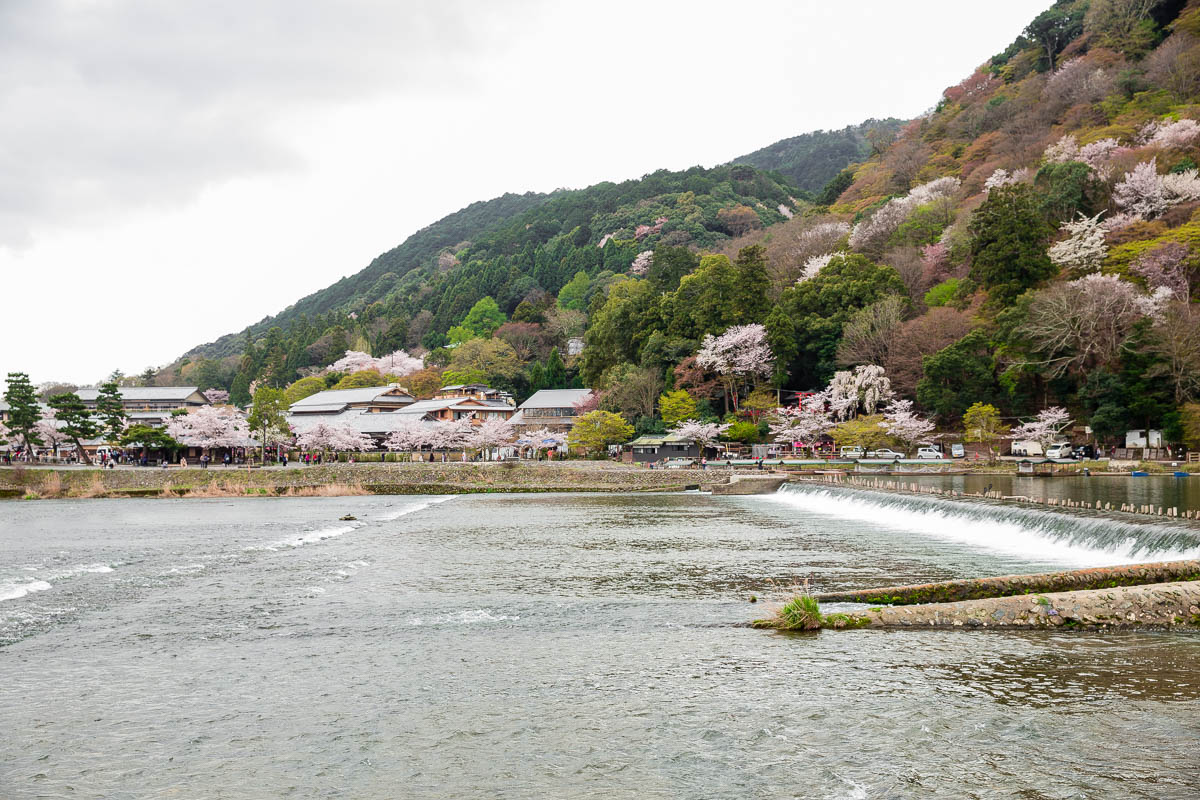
x: 752, y: 284
x: 742, y: 431
x: 595, y: 430
x: 360, y: 380
x: 554, y: 372
x: 239, y: 393
x: 572, y: 295
x: 1008, y: 246
x: 865, y: 432
x: 75, y: 421
x: 147, y: 438
x: 484, y: 317
x: 305, y: 387
x: 1068, y: 189
x: 493, y: 359
x: 111, y: 411
x: 981, y: 423
x: 268, y: 417
x: 669, y: 266
x: 23, y: 409
x: 818, y: 308
x: 707, y: 301
x: 957, y: 377
x: 676, y: 406
x: 459, y: 334
x: 620, y: 327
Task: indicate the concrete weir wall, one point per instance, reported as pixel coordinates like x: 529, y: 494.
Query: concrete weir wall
x: 1008, y: 585
x: 1161, y: 605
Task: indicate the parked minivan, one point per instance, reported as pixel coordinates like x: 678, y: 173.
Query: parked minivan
x: 1059, y: 450
x: 928, y: 452
x: 957, y: 450
x: 851, y: 452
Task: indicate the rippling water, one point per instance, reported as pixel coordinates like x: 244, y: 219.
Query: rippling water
x: 545, y: 646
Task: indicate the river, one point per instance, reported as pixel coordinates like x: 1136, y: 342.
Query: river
x: 530, y: 646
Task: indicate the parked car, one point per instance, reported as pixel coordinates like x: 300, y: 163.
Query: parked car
x: 957, y: 450
x: 928, y: 452
x: 884, y: 452
x: 1084, y: 451
x: 851, y: 452
x: 1059, y: 450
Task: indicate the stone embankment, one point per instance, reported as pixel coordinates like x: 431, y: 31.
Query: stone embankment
x: 1160, y: 605
x: 1010, y: 585
x: 403, y: 478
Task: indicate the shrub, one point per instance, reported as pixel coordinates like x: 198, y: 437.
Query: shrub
x: 943, y: 293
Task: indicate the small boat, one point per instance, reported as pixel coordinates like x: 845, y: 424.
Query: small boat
x: 1181, y: 474
x: 1137, y: 473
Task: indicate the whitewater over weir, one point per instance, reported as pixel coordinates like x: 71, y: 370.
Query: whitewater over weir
x: 1083, y: 539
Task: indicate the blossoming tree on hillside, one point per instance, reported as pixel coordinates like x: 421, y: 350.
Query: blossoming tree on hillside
x: 1046, y: 428
x: 739, y: 355
x: 901, y: 422
x: 702, y: 433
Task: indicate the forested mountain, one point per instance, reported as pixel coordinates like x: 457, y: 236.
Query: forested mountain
x: 1031, y: 242
x: 812, y: 160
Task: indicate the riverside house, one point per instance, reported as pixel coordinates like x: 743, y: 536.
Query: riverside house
x: 151, y: 405
x: 551, y: 408
x: 657, y: 446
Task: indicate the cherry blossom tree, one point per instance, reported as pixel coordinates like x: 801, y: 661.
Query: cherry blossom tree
x: 1084, y: 249
x: 900, y: 421
x: 820, y: 238
x: 641, y: 263
x: 1003, y: 177
x: 867, y: 387
x: 409, y: 434
x: 805, y: 423
x: 399, y: 363
x: 1064, y: 150
x: 542, y: 439
x: 336, y: 437
x: 1046, y: 428
x: 1166, y: 265
x: 813, y: 266
x: 210, y: 426
x: 1086, y: 322
x: 453, y: 434
x: 493, y: 433
x: 873, y: 232
x: 738, y: 355
x: 218, y: 397
x: 48, y: 431
x: 702, y: 433
x: 1141, y: 192
x: 1170, y: 133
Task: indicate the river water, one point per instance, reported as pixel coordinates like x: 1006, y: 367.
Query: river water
x: 531, y: 646
x: 1160, y: 491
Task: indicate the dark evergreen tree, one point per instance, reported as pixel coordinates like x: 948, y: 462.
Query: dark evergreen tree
x: 111, y: 411
x: 75, y: 421
x: 23, y: 409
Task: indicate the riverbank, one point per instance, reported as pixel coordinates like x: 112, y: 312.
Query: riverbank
x: 350, y: 479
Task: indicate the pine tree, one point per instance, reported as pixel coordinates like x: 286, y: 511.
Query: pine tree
x: 23, y: 409
x: 111, y: 411
x: 75, y: 420
x: 555, y: 372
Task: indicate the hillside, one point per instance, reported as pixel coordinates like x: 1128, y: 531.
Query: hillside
x: 1029, y: 243
x: 813, y: 159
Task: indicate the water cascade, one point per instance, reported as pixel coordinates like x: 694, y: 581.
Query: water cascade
x: 1087, y: 538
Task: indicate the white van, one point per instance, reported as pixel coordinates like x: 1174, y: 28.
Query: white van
x: 928, y: 452
x: 851, y: 452
x: 1026, y: 448
x: 1059, y: 450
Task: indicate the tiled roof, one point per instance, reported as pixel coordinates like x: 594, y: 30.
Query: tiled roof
x: 160, y: 393
x: 343, y: 396
x: 555, y: 398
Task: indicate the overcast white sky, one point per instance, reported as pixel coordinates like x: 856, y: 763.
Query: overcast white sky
x: 170, y: 172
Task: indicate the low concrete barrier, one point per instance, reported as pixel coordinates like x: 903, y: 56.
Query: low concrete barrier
x: 1009, y: 585
x: 1162, y: 605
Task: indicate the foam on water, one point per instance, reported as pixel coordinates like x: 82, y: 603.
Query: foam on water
x: 13, y: 591
x: 412, y: 508
x: 463, y: 618
x: 312, y: 537
x: 1087, y: 541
